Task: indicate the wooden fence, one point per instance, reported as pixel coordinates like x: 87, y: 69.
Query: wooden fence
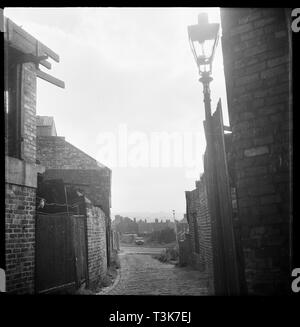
x: 226, y: 270
x: 61, y: 252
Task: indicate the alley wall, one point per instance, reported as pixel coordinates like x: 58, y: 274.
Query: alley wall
x: 257, y: 62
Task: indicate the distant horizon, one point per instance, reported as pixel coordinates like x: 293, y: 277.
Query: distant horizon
x: 149, y: 216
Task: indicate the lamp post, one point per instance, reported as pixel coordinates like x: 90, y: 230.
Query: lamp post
x: 203, y: 39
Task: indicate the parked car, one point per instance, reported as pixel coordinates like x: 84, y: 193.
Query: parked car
x: 139, y: 241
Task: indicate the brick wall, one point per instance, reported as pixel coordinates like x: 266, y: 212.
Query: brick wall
x: 97, y: 257
x: 63, y: 160
x: 56, y: 153
x: 20, y: 196
x: 29, y: 109
x: 20, y: 238
x: 204, y: 224
x: 197, y: 207
x: 192, y: 199
x: 258, y: 75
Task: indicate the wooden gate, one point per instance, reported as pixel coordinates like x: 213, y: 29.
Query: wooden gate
x: 61, y: 260
x: 226, y: 273
x: 80, y: 249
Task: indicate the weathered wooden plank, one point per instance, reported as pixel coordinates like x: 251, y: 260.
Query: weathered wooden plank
x: 49, y: 52
x: 225, y: 203
x: 46, y: 64
x: 8, y: 29
x: 18, y: 42
x: 15, y: 29
x: 39, y: 53
x: 50, y: 78
x: 216, y: 227
x: 79, y: 243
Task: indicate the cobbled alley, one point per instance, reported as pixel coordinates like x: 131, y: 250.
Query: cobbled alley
x: 141, y: 274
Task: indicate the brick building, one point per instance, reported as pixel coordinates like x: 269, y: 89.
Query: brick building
x: 23, y: 56
x: 26, y: 161
x: 257, y: 60
x: 125, y: 225
x: 65, y: 162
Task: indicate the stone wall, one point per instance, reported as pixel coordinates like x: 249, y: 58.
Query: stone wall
x: 97, y: 256
x: 20, y: 238
x: 256, y: 53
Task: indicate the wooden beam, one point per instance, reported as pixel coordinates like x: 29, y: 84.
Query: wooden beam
x: 46, y: 64
x: 39, y: 53
x: 43, y: 49
x: 25, y: 42
x: 50, y: 78
x: 29, y: 57
x: 48, y: 51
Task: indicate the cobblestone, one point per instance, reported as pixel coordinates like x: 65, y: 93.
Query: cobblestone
x: 141, y: 274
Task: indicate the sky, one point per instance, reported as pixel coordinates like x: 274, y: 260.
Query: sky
x: 129, y: 75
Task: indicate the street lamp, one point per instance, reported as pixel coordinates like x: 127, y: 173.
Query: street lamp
x: 203, y: 39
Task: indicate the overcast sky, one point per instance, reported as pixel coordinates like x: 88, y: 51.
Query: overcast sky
x: 130, y: 66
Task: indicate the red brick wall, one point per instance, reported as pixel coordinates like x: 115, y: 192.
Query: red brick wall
x: 20, y: 238
x: 257, y: 71
x: 97, y: 256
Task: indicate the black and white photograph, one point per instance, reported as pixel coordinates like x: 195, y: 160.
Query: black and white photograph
x: 148, y: 151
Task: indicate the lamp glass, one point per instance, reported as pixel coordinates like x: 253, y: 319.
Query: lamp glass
x: 204, y: 52
x: 203, y: 38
